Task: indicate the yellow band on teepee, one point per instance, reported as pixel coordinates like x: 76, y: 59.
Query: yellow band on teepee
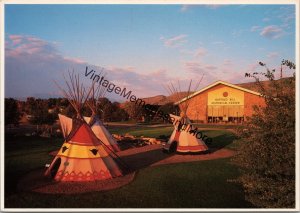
x: 79, y: 151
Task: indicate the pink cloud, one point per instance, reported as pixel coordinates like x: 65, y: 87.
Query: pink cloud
x: 21, y: 45
x: 273, y: 55
x: 186, y: 7
x: 75, y: 60
x: 226, y: 71
x: 200, y: 52
x: 141, y: 84
x: 197, y: 67
x: 15, y: 39
x: 255, y: 28
x: 210, y: 67
x: 175, y: 41
x: 272, y: 32
x: 12, y: 37
x: 227, y: 62
x: 252, y: 67
x: 31, y: 64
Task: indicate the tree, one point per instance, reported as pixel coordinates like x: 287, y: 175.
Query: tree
x: 134, y: 111
x: 266, y: 156
x: 40, y: 113
x: 38, y: 109
x: 69, y: 111
x: 12, y: 112
x: 150, y: 113
x: 169, y: 108
x: 30, y: 105
x: 118, y: 114
x: 104, y: 108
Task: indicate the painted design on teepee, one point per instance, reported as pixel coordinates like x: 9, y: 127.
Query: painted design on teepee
x: 88, y: 176
x: 64, y: 148
x: 75, y: 161
x: 182, y: 139
x: 94, y: 151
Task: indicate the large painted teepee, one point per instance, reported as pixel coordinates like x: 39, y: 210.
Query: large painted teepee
x: 82, y: 156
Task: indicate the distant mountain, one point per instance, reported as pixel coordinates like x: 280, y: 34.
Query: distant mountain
x: 161, y: 99
x: 255, y: 87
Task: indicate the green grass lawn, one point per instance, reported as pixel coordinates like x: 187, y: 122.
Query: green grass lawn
x: 221, y: 137
x: 143, y: 131
x: 196, y: 184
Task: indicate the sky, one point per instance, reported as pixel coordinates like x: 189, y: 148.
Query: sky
x: 142, y: 47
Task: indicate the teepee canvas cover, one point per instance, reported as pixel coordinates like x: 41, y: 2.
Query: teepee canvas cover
x: 65, y: 124
x: 182, y: 140
x: 97, y: 127
x: 102, y: 133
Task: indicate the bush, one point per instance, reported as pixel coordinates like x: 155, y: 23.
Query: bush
x: 266, y: 156
x: 12, y: 112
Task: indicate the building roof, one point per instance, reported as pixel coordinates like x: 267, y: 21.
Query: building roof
x: 214, y: 84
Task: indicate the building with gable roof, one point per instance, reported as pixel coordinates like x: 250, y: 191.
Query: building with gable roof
x: 222, y: 102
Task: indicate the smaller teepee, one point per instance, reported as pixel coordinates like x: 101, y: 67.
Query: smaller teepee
x: 82, y: 156
x: 96, y: 124
x: 181, y: 140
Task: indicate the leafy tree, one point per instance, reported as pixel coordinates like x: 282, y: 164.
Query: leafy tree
x: 30, y: 105
x: 266, y: 156
x: 40, y: 113
x: 169, y: 108
x: 63, y: 102
x: 12, y: 112
x: 118, y: 114
x: 52, y: 103
x: 69, y: 111
x: 105, y: 109
x: 150, y: 113
x: 134, y: 111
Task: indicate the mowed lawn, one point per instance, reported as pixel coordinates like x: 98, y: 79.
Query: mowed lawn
x: 204, y: 184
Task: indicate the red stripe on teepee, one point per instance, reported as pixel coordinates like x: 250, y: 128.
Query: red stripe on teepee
x: 85, y: 136
x: 192, y: 148
x: 177, y: 134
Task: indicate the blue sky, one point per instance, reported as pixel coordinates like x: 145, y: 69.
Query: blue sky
x: 143, y: 47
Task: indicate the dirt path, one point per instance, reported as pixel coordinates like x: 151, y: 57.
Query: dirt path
x: 35, y: 181
x: 222, y: 153
x: 152, y: 155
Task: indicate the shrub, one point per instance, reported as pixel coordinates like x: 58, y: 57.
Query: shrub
x: 266, y: 156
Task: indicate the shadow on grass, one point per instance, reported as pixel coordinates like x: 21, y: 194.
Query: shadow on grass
x: 144, y: 159
x: 221, y: 141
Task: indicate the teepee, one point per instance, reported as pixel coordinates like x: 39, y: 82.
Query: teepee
x: 82, y: 156
x: 181, y: 140
x: 96, y: 124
